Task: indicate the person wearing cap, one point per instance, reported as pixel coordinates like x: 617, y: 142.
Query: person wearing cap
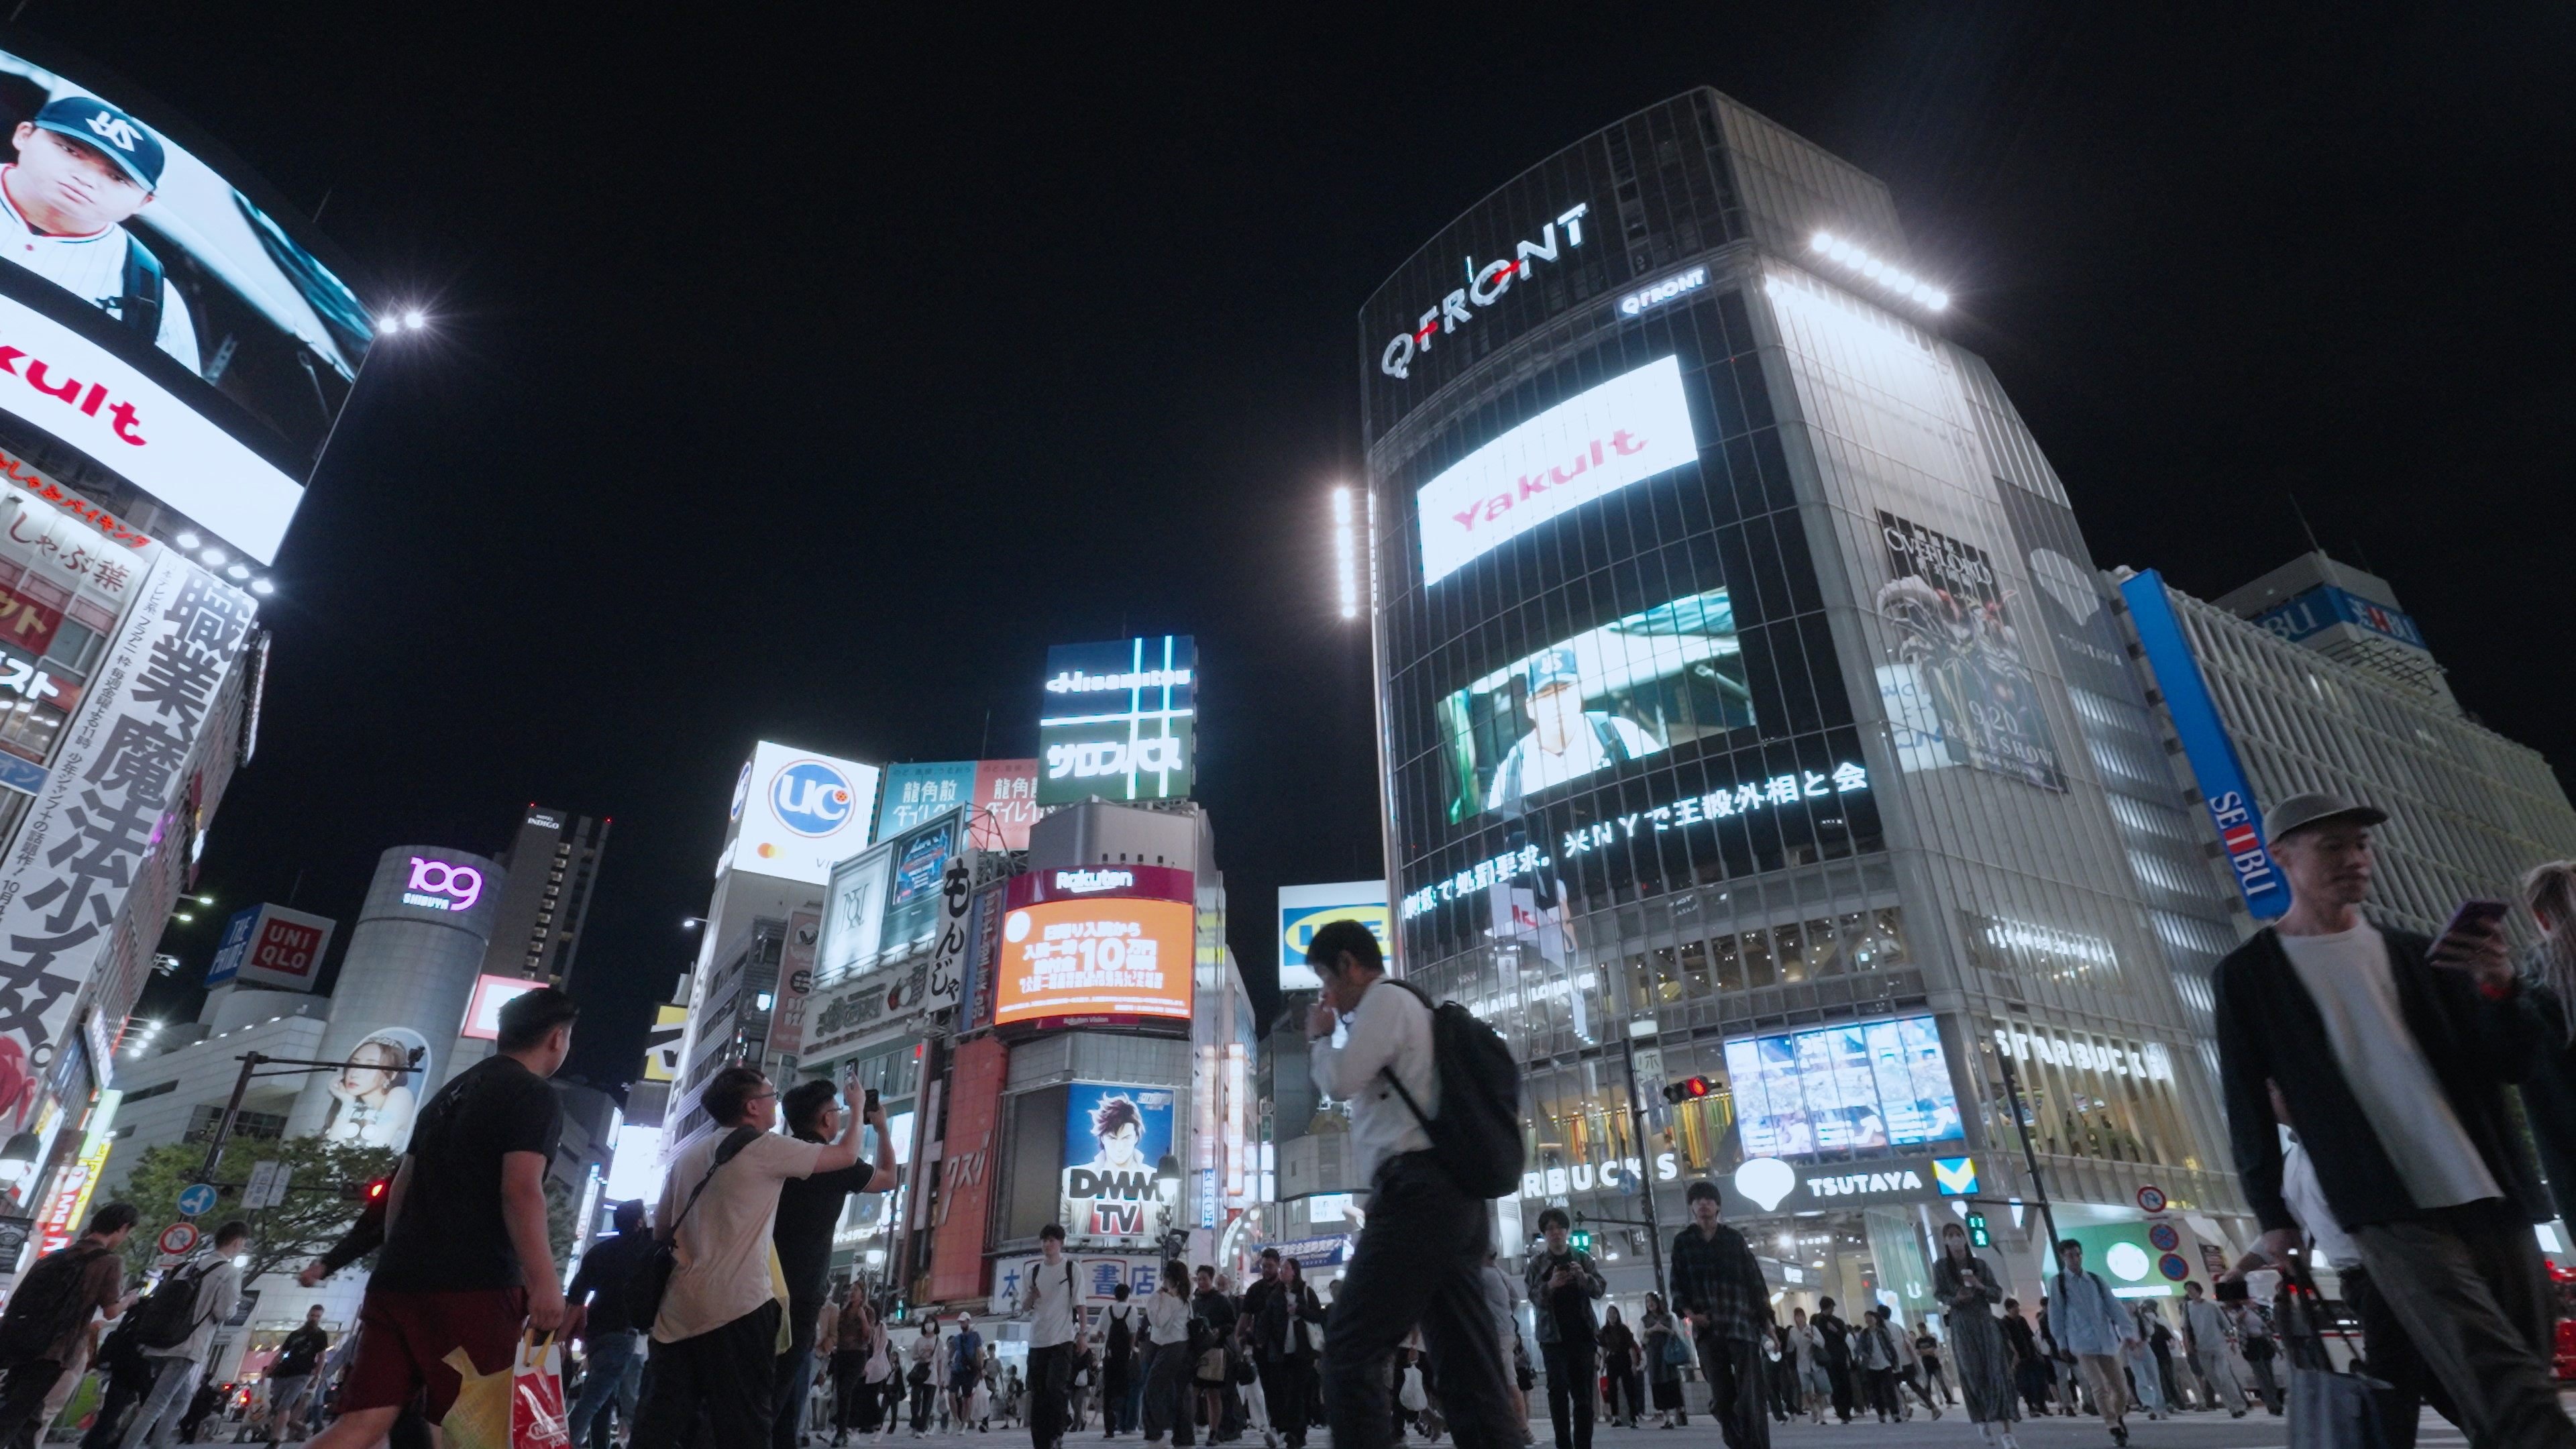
x: 1566, y: 741
x: 83, y: 169
x: 2392, y: 1052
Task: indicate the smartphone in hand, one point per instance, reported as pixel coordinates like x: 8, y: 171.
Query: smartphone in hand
x: 870, y: 1105
x: 2476, y: 915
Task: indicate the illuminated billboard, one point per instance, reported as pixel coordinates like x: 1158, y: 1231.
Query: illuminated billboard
x: 1000, y: 798
x: 662, y: 1043
x: 1114, y: 1139
x: 1305, y: 909
x: 801, y: 813
x: 1592, y: 444
x: 916, y: 792
x: 160, y: 320
x: 483, y: 1011
x: 272, y: 946
x: 1958, y: 691
x: 1095, y: 956
x: 1631, y: 688
x: 1118, y: 720
x: 1841, y: 1088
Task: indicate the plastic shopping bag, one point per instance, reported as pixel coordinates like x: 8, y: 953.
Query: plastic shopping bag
x: 537, y: 1395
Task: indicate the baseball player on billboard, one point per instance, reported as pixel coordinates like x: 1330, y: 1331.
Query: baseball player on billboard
x: 83, y: 168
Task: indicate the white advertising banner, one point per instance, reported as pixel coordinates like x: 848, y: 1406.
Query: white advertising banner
x: 85, y: 395
x: 803, y: 813
x: 1632, y: 427
x: 115, y: 783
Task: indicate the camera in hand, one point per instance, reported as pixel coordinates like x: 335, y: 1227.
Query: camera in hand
x: 2233, y: 1290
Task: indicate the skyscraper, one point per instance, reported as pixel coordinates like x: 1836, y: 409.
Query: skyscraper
x: 551, y: 865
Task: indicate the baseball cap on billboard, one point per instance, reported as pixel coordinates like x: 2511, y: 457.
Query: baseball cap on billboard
x: 2301, y: 811
x: 110, y: 132
x: 1554, y: 666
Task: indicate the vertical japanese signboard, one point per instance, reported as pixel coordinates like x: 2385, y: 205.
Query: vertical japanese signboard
x: 112, y: 794
x: 795, y: 983
x: 965, y: 1170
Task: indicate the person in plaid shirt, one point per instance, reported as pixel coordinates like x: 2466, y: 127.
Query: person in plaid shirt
x: 1719, y: 1286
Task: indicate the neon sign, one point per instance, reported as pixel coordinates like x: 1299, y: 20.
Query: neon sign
x: 440, y: 886
x: 1486, y: 284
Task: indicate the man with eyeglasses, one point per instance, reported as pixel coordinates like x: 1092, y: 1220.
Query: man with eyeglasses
x: 717, y: 1339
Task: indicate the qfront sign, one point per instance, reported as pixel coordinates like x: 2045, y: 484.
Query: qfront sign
x: 1486, y: 284
x: 1632, y: 427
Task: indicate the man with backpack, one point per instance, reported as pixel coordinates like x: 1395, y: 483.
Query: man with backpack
x: 2094, y: 1325
x: 175, y: 1328
x: 291, y: 1372
x: 1421, y: 1255
x: 49, y: 1310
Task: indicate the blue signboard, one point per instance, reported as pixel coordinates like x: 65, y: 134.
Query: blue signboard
x: 197, y: 1199
x: 235, y: 944
x: 2223, y: 788
x: 920, y: 792
x: 2325, y: 606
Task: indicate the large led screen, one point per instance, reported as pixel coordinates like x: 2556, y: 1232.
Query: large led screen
x: 1842, y: 1088
x: 1095, y: 957
x: 1631, y: 688
x: 801, y: 814
x: 162, y: 321
x: 1119, y: 720
x: 1114, y: 1139
x: 1632, y: 427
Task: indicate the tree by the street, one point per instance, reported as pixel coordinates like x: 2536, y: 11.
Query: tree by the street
x: 286, y: 1237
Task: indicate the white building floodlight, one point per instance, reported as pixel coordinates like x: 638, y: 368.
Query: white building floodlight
x: 1346, y: 564
x: 1895, y: 279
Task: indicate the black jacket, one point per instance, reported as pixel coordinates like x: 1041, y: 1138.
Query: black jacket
x: 2269, y: 1029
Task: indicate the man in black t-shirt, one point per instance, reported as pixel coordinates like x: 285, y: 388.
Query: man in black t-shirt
x: 466, y: 1262
x: 809, y: 1209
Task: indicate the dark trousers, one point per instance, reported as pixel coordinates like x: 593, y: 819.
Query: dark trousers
x: 1114, y: 1377
x: 1881, y: 1386
x: 1736, y: 1374
x: 855, y: 1404
x: 2393, y: 1361
x: 1570, y: 1375
x: 794, y: 1384
x: 1626, y: 1393
x: 719, y: 1384
x: 2468, y: 1286
x: 1050, y: 1377
x: 22, y: 1395
x: 1290, y: 1383
x: 1168, y: 1393
x: 924, y: 1395
x: 125, y: 1389
x: 1421, y: 1260
x: 1839, y: 1373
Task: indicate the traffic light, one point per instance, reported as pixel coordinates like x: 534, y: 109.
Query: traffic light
x: 1977, y: 1234
x: 1690, y: 1089
x: 1582, y: 1239
x: 367, y: 1192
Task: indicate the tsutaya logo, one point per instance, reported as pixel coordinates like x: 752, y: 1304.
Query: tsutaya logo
x: 810, y: 798
x: 1486, y: 284
x: 1084, y: 882
x: 1630, y: 428
x: 1768, y: 1181
x: 440, y: 886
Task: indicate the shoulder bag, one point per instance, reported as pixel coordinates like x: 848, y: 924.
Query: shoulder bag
x: 652, y: 1281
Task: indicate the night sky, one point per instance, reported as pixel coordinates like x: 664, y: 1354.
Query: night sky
x: 806, y: 383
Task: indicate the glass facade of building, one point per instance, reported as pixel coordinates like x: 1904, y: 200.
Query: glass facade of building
x: 1743, y: 673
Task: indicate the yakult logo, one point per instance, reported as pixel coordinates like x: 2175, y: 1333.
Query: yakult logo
x: 439, y: 886
x: 810, y: 798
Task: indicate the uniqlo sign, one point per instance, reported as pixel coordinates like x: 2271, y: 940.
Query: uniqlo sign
x: 272, y: 946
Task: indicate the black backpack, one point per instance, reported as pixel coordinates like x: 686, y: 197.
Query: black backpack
x: 165, y: 1319
x: 1477, y: 1136
x: 48, y: 1304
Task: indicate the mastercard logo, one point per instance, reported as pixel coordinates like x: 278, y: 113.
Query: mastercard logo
x: 766, y: 851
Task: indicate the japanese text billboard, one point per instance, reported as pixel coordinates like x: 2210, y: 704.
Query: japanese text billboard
x: 1006, y: 804
x: 1115, y: 1137
x: 1118, y: 720
x: 114, y: 794
x: 1095, y: 957
x: 918, y: 792
x: 164, y: 322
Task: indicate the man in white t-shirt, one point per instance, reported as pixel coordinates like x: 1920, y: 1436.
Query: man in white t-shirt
x: 722, y: 1324
x: 2392, y: 1051
x: 84, y: 168
x: 1051, y: 1300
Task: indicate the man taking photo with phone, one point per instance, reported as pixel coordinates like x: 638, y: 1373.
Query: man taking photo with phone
x: 2392, y: 1051
x: 809, y: 1209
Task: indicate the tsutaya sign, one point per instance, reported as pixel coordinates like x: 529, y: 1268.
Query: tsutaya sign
x: 1486, y: 284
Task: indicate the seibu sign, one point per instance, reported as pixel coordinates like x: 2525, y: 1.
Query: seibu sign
x: 1486, y: 284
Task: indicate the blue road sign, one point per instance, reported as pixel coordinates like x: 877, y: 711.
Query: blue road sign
x: 196, y: 1200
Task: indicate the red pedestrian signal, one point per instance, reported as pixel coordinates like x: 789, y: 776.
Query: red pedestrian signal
x: 1690, y: 1089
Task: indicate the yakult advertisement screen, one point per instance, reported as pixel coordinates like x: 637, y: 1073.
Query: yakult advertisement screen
x: 161, y: 321
x: 1095, y: 957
